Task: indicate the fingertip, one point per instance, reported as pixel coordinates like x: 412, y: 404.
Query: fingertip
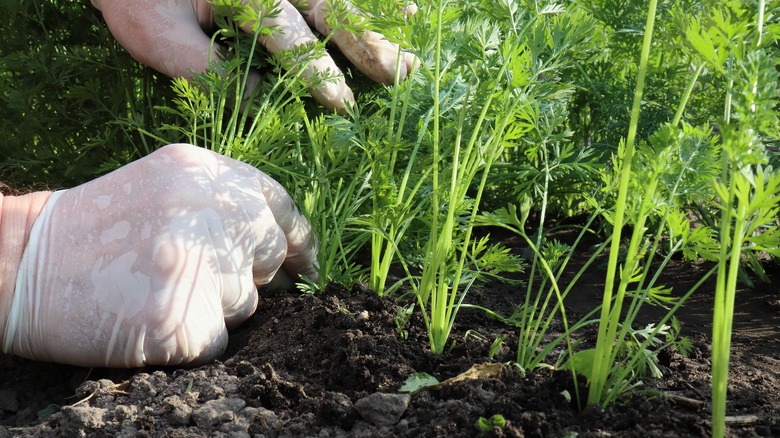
x: 334, y: 96
x: 331, y: 89
x: 216, y: 348
x: 239, y: 311
x: 411, y: 9
x: 270, y: 253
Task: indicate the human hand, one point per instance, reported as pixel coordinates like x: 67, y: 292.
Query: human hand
x: 152, y: 263
x: 168, y: 35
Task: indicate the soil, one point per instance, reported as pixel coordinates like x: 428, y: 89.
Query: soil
x: 333, y: 364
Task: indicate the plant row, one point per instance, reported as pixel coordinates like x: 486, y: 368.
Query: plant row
x: 655, y: 125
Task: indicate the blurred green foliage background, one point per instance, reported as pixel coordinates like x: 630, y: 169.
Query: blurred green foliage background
x: 66, y: 91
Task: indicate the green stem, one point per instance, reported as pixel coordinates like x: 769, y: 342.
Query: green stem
x: 728, y: 270
x: 606, y: 333
x: 427, y: 283
x: 686, y: 95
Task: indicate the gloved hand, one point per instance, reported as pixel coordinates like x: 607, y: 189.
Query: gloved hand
x: 168, y: 36
x: 152, y: 263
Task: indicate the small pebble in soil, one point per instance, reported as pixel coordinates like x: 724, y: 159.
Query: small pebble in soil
x: 213, y: 412
x: 84, y: 417
x: 382, y: 409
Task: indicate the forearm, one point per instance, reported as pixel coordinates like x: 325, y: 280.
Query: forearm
x: 17, y: 216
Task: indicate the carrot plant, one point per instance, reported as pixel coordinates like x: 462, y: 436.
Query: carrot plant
x: 541, y: 162
x: 335, y: 189
x: 748, y: 189
x: 396, y: 188
x: 649, y: 177
x: 439, y: 294
x: 679, y: 162
x: 480, y: 109
x: 750, y: 202
x: 605, y: 351
x: 433, y: 142
x: 729, y: 165
x: 671, y: 163
x: 266, y: 124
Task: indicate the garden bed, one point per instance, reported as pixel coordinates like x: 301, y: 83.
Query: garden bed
x: 332, y: 365
x: 537, y: 100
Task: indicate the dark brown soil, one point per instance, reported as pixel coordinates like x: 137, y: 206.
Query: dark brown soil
x: 332, y: 365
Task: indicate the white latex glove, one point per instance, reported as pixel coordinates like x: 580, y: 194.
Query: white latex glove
x: 168, y: 36
x: 152, y: 263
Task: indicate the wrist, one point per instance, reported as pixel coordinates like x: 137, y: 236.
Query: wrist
x: 17, y: 216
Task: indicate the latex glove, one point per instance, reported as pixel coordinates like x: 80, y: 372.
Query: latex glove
x: 168, y: 35
x: 153, y: 263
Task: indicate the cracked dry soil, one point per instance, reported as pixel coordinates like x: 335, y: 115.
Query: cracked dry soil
x: 331, y: 365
